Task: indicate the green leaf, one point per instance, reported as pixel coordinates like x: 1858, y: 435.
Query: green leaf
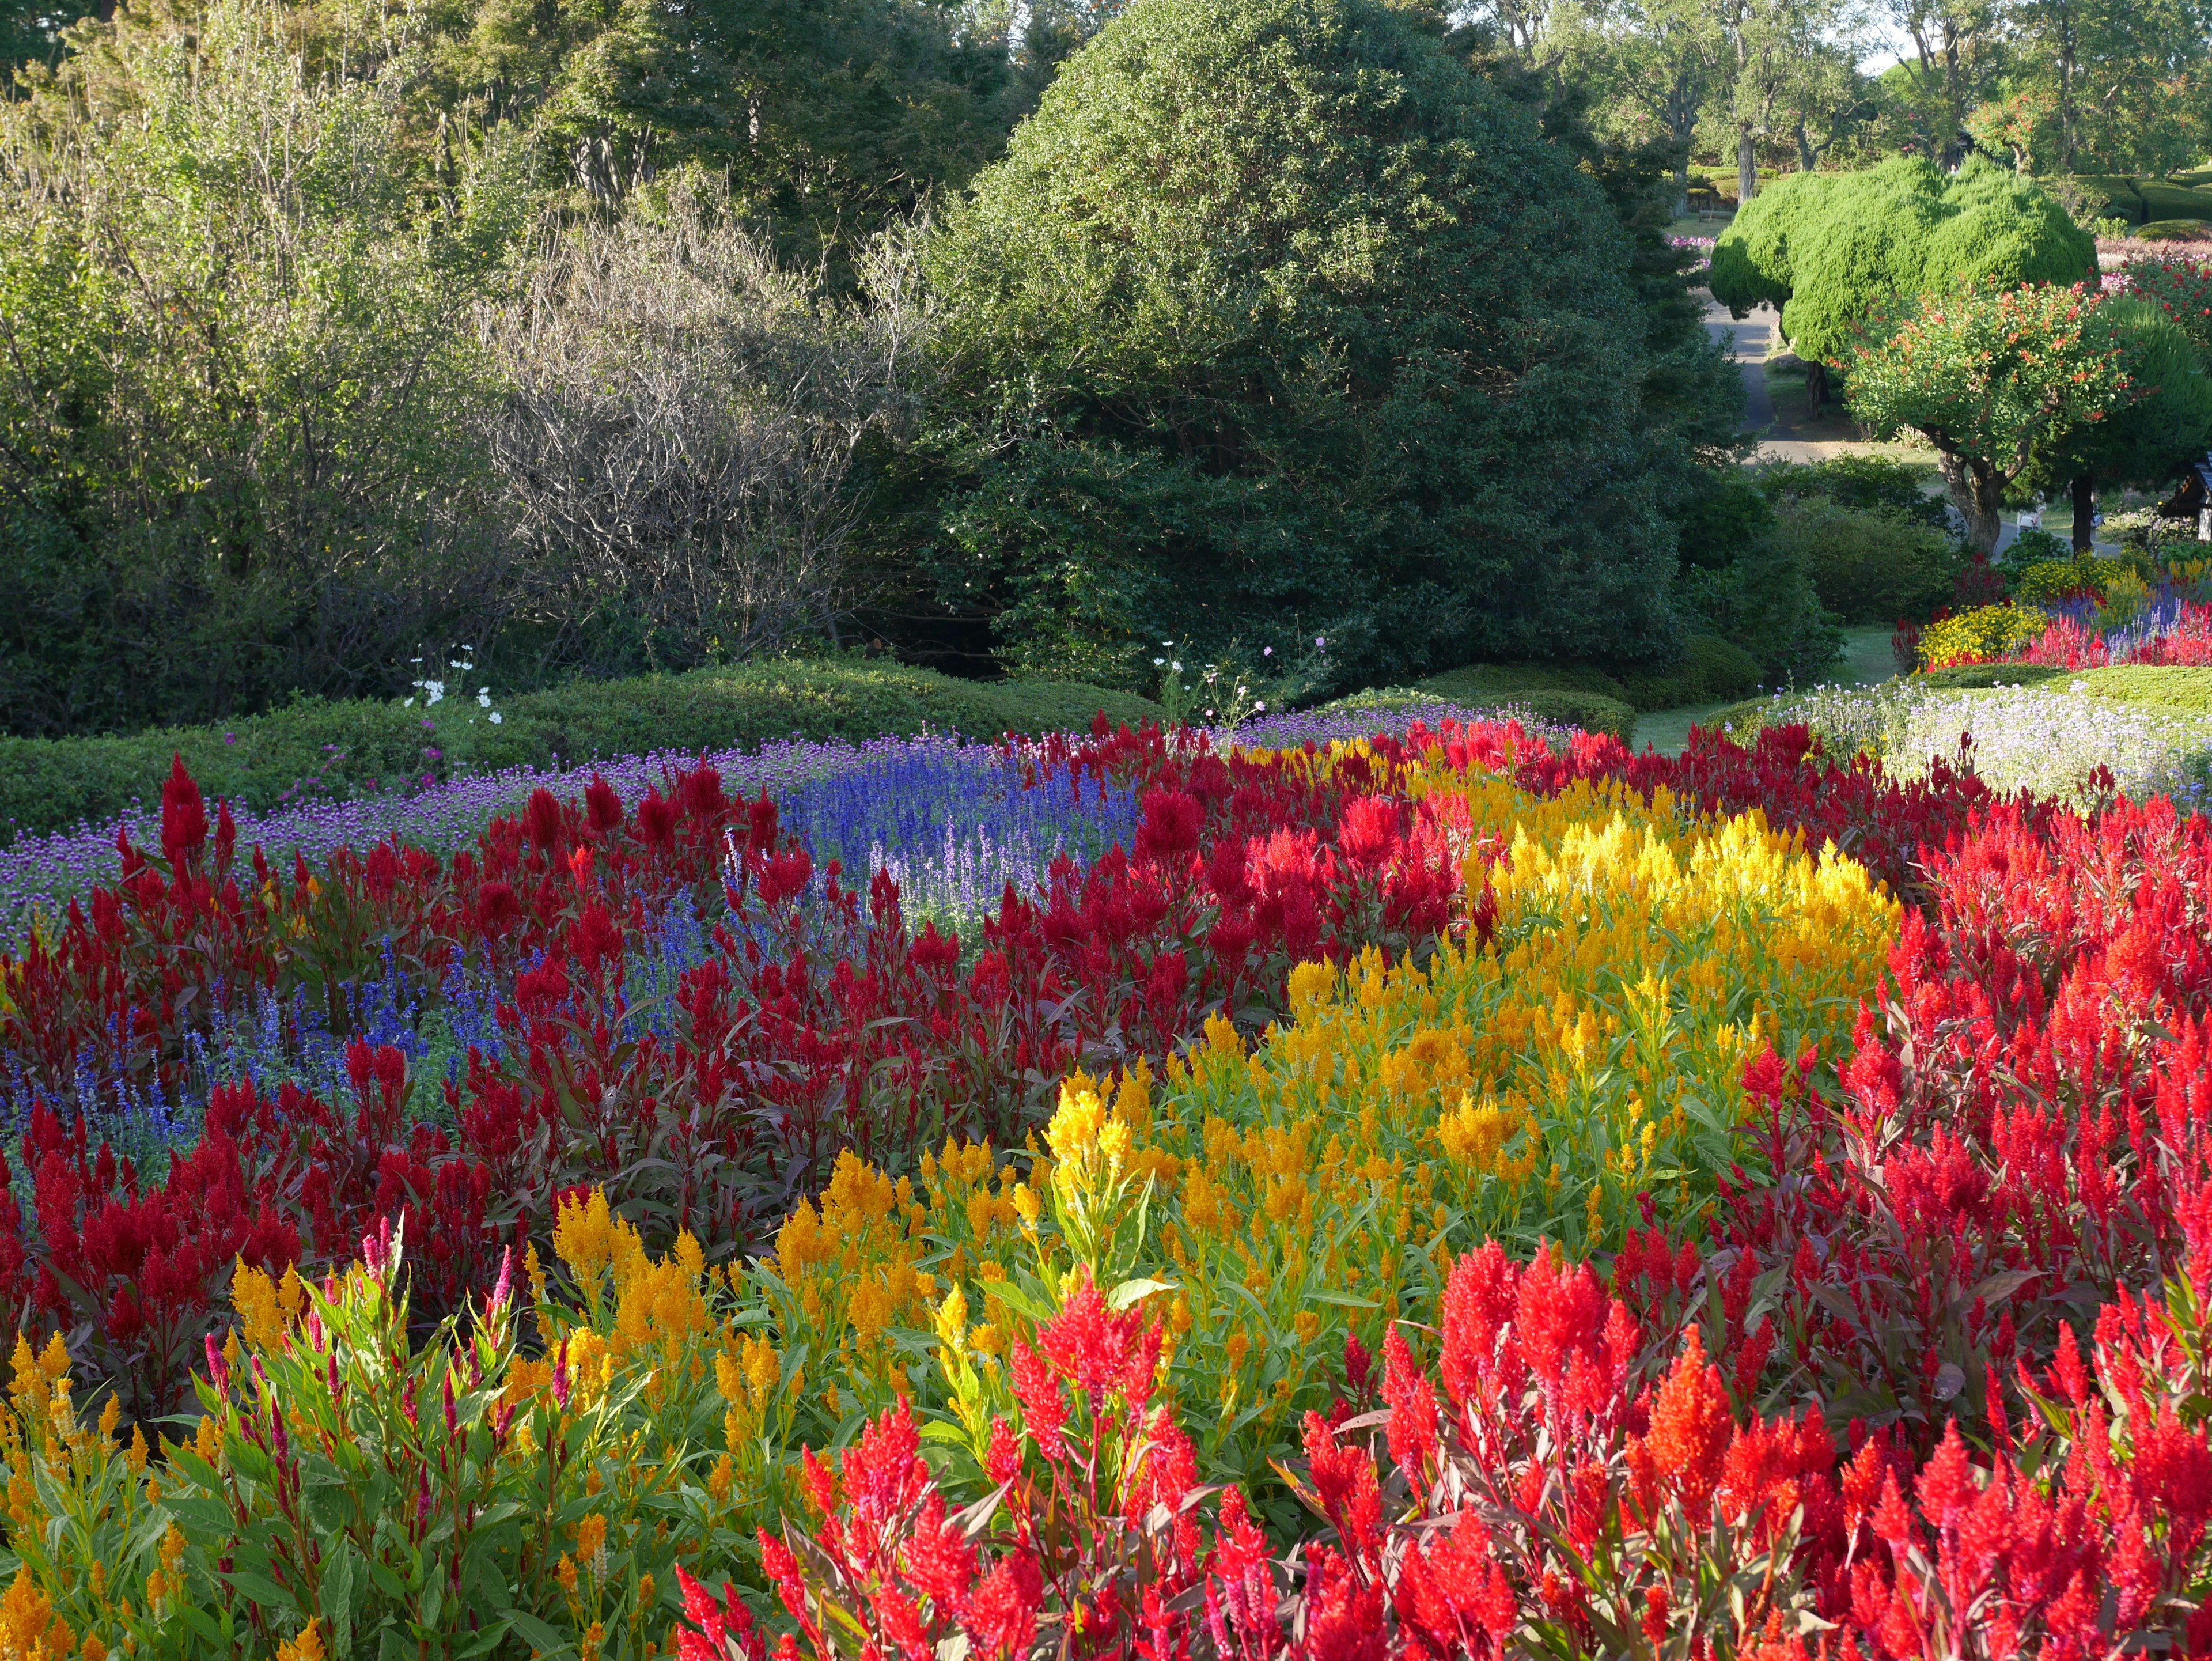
x: 1135, y: 1290
x: 536, y: 1633
x: 336, y: 1600
x: 262, y: 1590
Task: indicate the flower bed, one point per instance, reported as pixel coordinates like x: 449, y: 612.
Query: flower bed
x: 1580, y: 1203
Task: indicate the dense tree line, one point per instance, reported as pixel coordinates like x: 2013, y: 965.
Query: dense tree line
x: 607, y: 339
x: 2054, y: 87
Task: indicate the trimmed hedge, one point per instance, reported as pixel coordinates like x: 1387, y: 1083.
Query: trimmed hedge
x: 1711, y: 668
x: 1591, y: 711
x: 319, y: 749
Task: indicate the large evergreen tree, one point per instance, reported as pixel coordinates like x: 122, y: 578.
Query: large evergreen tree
x: 1276, y: 318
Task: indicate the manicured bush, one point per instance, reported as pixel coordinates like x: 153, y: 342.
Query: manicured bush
x: 1208, y: 407
x: 1599, y: 700
x: 318, y: 749
x: 1867, y: 566
x: 1711, y: 668
x: 1834, y: 248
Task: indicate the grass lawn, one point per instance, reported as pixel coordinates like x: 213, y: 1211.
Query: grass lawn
x: 1867, y: 659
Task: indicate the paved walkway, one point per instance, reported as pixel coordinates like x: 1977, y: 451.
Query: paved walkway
x: 1752, y: 341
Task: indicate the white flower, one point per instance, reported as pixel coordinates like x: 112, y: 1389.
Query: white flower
x: 496, y: 718
x: 483, y: 697
x: 1176, y: 667
x: 456, y: 664
x: 1159, y: 663
x: 409, y: 704
x: 432, y: 691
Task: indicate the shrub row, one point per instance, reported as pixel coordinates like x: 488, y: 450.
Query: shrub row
x: 317, y: 748
x: 1601, y: 700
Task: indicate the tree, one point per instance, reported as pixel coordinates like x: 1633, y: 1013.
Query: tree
x: 680, y: 432
x: 828, y: 117
x: 1995, y: 379
x: 1831, y: 249
x: 1957, y: 50
x: 1275, y: 318
x: 237, y: 391
x: 2152, y: 437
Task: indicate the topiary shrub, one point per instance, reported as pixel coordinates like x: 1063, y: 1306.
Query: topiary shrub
x: 1712, y: 669
x: 1839, y: 248
x: 1867, y: 566
x: 1274, y: 320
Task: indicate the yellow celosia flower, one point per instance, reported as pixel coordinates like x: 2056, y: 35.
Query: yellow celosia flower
x: 307, y: 1647
x: 30, y: 1630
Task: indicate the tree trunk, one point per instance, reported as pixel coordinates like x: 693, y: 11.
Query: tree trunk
x: 1816, y: 386
x: 1747, y: 167
x: 2085, y: 512
x: 1977, y: 493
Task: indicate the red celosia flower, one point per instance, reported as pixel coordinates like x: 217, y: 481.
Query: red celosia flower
x: 1692, y: 1426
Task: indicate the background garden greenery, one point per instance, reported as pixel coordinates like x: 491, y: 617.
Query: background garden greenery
x: 1316, y: 344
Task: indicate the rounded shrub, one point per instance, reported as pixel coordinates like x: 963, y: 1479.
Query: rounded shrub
x: 1867, y: 566
x: 1839, y: 248
x: 1274, y: 319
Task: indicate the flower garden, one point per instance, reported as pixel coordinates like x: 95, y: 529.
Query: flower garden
x: 1458, y: 1190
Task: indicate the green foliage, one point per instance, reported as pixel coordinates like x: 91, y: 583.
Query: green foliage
x: 1235, y: 355
x: 2175, y: 230
x: 1870, y: 483
x: 238, y: 442
x: 1710, y: 668
x: 1590, y: 711
x: 317, y: 748
x: 1991, y: 378
x: 1838, y: 246
x: 2166, y: 425
x: 1747, y: 587
x: 2033, y: 546
x: 2049, y: 579
x: 1753, y: 259
x: 2162, y: 686
x: 1868, y: 565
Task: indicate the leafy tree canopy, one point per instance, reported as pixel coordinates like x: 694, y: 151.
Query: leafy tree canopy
x: 1832, y: 249
x: 1275, y: 318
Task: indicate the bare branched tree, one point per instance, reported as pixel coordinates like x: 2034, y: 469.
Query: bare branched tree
x: 679, y: 437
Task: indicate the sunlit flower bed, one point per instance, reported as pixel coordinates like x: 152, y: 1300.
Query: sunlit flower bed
x: 1446, y: 1194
